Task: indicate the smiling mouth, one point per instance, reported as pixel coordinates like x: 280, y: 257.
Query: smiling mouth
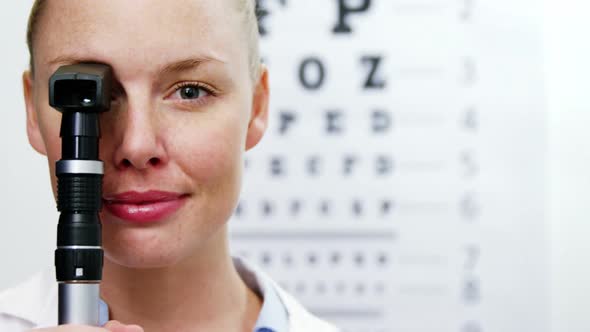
x: 144, y: 207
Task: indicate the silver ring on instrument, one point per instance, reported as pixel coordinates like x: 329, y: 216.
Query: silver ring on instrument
x: 79, y: 167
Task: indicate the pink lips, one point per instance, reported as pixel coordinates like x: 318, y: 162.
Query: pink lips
x: 144, y: 207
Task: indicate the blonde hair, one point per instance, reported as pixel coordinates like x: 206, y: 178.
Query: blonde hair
x: 249, y: 11
x: 246, y: 7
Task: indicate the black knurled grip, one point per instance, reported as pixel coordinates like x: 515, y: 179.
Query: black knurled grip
x: 76, y: 229
x: 79, y: 192
x: 89, y: 263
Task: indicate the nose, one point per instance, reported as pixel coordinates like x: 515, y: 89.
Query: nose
x: 138, y: 144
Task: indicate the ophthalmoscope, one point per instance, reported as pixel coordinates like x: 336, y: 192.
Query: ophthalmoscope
x: 80, y: 92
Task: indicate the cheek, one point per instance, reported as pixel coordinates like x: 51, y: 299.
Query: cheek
x: 210, y: 150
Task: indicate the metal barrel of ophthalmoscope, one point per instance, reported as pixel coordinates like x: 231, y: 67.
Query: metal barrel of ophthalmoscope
x: 80, y: 92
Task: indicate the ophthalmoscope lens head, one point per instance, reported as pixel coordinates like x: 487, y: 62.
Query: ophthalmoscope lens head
x: 81, y: 88
x: 75, y: 93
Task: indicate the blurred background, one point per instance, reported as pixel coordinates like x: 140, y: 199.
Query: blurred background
x: 425, y: 168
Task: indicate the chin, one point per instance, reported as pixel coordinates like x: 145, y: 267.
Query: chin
x: 141, y: 261
x: 141, y: 248
x: 157, y: 247
x: 134, y: 255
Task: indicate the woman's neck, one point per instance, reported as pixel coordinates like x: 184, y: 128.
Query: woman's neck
x: 201, y: 293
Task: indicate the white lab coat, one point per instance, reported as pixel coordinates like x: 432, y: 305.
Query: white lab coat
x: 33, y: 304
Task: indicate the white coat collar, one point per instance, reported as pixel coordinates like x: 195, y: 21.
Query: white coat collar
x: 300, y: 320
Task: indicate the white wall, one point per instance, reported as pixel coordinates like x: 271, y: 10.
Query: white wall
x: 27, y: 233
x: 568, y: 82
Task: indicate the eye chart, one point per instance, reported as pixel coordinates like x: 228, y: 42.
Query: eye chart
x: 399, y: 187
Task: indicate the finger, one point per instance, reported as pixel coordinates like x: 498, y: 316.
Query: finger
x: 134, y: 328
x: 70, y: 328
x: 112, y: 324
x: 116, y: 326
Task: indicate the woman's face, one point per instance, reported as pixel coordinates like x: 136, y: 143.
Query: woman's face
x: 184, y: 111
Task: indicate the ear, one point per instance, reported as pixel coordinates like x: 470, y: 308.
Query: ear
x: 259, y: 117
x: 33, y: 131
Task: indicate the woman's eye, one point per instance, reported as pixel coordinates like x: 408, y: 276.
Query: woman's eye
x: 191, y: 92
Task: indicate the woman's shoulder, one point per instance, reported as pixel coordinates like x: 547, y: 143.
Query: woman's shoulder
x: 30, y: 303
x: 299, y: 318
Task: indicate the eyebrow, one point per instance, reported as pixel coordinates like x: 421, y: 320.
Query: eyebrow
x: 185, y: 65
x: 174, y: 67
x: 70, y: 59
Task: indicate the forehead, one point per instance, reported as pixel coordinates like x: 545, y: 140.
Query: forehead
x: 140, y: 33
